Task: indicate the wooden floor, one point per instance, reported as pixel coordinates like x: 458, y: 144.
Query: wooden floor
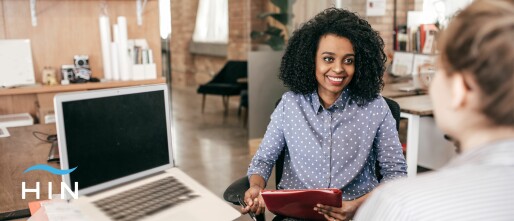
x: 211, y: 148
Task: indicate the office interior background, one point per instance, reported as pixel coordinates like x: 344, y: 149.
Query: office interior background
x: 190, y: 42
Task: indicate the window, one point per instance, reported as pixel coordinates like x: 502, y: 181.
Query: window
x: 212, y: 22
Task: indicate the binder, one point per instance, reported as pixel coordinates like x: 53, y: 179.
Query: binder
x: 300, y: 203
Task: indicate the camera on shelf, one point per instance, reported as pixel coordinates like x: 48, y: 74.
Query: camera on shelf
x: 78, y: 72
x: 72, y: 74
x: 68, y: 73
x: 81, y: 61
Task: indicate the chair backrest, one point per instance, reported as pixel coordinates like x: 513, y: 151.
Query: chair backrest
x: 231, y: 72
x: 395, y: 111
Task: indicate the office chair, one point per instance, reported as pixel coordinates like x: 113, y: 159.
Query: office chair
x: 225, y: 83
x: 241, y: 185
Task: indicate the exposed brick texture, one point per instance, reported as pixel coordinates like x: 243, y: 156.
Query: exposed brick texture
x: 191, y: 69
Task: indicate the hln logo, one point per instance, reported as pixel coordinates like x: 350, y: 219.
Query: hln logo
x: 64, y: 186
x: 74, y: 194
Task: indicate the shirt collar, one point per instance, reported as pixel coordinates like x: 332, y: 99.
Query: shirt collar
x: 339, y: 104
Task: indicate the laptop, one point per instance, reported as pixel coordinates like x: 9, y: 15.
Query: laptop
x: 121, y: 140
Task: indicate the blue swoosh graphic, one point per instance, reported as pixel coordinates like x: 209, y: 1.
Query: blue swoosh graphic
x: 49, y: 169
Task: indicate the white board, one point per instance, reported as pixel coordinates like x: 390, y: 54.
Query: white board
x: 16, y: 67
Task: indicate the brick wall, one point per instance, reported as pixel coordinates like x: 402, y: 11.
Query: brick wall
x: 183, y: 16
x: 256, y: 8
x: 192, y: 69
x: 239, y: 29
x: 384, y: 24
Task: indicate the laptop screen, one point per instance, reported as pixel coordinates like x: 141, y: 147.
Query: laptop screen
x: 108, y: 137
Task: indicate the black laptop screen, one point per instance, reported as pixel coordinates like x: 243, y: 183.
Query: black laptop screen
x: 111, y: 137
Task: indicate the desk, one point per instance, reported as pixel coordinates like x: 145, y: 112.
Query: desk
x: 18, y: 152
x: 392, y: 90
x: 426, y: 145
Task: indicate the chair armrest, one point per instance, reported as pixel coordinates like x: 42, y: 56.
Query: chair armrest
x: 238, y: 187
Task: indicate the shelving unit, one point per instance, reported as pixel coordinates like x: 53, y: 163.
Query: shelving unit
x: 37, y: 100
x: 59, y: 30
x: 38, y: 89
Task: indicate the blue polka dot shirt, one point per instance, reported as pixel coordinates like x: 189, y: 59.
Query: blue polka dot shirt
x: 335, y: 147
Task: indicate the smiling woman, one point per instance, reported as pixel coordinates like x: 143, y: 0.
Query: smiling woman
x: 335, y: 67
x: 333, y: 125
x: 301, y: 58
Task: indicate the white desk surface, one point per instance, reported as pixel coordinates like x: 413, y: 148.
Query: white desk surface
x: 394, y: 90
x: 419, y: 105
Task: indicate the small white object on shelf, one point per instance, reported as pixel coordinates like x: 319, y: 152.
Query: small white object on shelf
x: 16, y: 120
x: 49, y: 118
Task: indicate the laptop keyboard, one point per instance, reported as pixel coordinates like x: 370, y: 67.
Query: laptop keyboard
x: 145, y: 200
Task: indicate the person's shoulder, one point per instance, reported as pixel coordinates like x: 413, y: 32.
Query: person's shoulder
x: 377, y: 104
x: 290, y: 96
x: 425, y: 185
x: 408, y: 193
x: 404, y: 185
x: 379, y: 101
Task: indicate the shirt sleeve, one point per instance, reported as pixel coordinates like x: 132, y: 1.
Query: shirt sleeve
x: 383, y: 205
x: 271, y: 145
x: 389, y: 150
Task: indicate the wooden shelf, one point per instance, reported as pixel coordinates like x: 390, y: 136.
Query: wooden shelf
x: 37, y: 89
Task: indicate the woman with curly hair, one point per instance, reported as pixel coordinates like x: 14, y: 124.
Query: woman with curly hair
x: 333, y: 124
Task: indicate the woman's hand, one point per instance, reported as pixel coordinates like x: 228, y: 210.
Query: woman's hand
x: 254, y: 201
x: 346, y: 212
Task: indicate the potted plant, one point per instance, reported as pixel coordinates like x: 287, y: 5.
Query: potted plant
x: 275, y: 36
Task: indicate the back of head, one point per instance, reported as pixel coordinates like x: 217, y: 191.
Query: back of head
x: 479, y: 42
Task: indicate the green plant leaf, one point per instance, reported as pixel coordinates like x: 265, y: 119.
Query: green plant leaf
x: 276, y: 42
x: 265, y: 14
x: 281, y: 4
x: 256, y: 34
x: 275, y: 35
x: 272, y: 30
x: 281, y: 17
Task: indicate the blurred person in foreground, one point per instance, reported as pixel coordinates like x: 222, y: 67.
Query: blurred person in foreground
x: 473, y: 99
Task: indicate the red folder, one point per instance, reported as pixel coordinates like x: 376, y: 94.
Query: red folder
x: 300, y: 203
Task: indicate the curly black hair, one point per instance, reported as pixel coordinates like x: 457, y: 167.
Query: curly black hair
x: 297, y: 70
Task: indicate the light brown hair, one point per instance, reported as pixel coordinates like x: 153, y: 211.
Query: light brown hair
x: 479, y: 42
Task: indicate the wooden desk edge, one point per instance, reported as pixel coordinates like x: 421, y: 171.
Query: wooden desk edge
x: 420, y: 113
